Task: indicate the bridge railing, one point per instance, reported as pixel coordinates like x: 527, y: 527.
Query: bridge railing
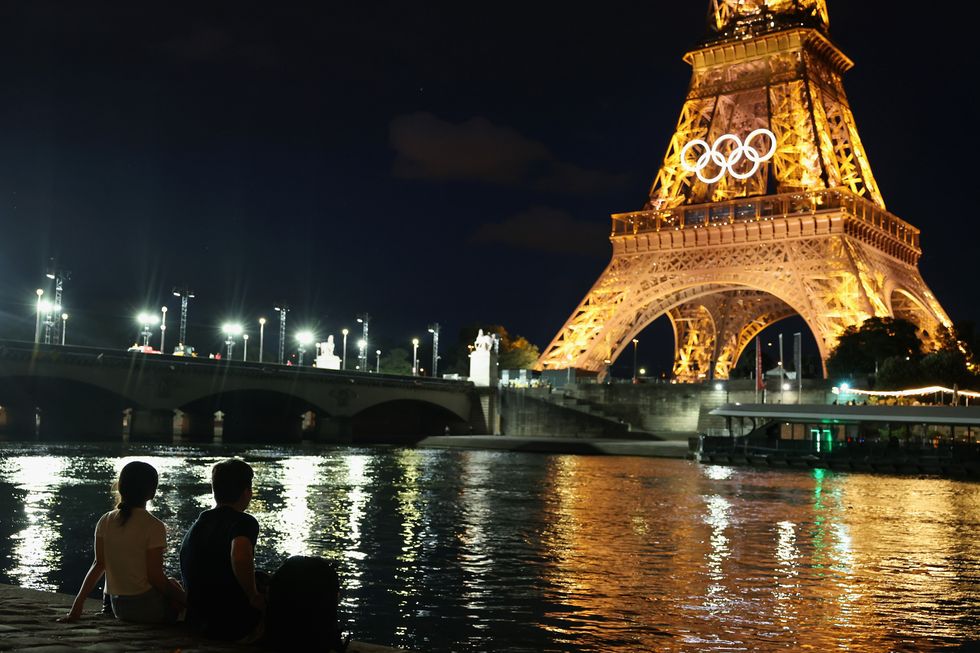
x: 765, y: 207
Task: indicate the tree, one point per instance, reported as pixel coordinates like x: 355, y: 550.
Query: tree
x: 898, y: 372
x: 862, y: 350
x: 396, y: 361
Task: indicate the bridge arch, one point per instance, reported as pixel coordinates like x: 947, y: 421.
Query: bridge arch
x: 60, y: 408
x: 251, y: 415
x: 403, y: 420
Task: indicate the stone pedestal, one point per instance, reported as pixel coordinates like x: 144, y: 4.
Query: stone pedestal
x: 483, y: 368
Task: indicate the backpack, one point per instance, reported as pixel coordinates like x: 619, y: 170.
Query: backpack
x: 302, y: 607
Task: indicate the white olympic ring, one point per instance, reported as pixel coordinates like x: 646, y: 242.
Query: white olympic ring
x: 725, y: 164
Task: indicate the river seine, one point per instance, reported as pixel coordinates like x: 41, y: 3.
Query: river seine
x: 448, y: 550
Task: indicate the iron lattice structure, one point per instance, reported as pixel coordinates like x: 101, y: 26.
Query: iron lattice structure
x: 806, y: 234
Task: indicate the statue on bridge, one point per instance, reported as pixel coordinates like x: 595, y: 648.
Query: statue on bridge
x: 325, y: 358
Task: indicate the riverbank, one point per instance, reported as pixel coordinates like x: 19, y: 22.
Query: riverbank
x: 27, y: 623
x: 588, y: 446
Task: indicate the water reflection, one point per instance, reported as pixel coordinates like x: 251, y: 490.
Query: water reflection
x: 476, y: 551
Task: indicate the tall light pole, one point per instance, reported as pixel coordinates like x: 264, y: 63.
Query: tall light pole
x: 147, y: 320
x: 64, y: 327
x: 304, y: 339
x: 282, y: 308
x: 59, y: 277
x: 343, y: 364
x: 37, y: 327
x: 185, y: 295
x: 163, y: 329
x: 231, y: 330
x: 361, y: 353
x: 635, y: 343
x: 377, y: 369
x: 434, y: 330
x: 245, y: 347
x: 363, y: 320
x: 415, y: 356
x: 261, y: 339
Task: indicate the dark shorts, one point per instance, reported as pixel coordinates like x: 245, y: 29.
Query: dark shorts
x: 150, y: 607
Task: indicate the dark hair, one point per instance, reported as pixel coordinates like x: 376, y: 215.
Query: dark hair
x: 136, y: 485
x: 229, y: 479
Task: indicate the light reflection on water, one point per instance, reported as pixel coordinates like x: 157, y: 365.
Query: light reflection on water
x: 479, y: 551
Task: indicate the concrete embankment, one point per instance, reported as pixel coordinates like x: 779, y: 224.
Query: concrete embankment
x: 595, y: 446
x: 28, y: 623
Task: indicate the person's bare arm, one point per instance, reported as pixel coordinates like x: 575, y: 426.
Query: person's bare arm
x: 243, y: 564
x: 159, y: 580
x: 95, y: 572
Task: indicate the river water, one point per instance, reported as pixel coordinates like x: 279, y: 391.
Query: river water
x: 447, y: 550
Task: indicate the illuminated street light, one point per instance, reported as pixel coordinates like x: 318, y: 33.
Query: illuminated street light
x: 37, y: 327
x: 415, y: 356
x: 362, y: 353
x: 343, y: 364
x: 434, y: 330
x: 231, y: 329
x: 245, y: 347
x: 363, y: 319
x: 64, y: 327
x: 305, y: 339
x: 261, y: 339
x: 163, y: 329
x: 635, y: 343
x: 378, y: 368
x: 147, y: 320
x: 185, y: 296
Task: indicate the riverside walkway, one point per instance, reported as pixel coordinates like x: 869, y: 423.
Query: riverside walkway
x: 28, y: 623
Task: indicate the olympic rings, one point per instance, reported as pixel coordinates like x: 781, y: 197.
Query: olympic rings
x: 713, y: 154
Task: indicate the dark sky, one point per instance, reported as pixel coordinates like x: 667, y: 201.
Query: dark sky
x: 450, y: 162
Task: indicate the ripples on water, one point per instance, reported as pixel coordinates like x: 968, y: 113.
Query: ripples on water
x: 479, y: 551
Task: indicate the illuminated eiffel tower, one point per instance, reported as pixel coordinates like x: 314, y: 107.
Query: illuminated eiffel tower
x: 764, y: 207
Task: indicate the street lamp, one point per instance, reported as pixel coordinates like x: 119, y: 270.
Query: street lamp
x: 635, y: 343
x: 362, y: 319
x: 231, y: 330
x: 64, y: 327
x: 245, y: 347
x: 37, y: 327
x: 415, y: 356
x: 163, y: 328
x: 343, y: 365
x: 261, y: 338
x: 185, y: 296
x: 147, y: 320
x: 378, y: 368
x: 305, y: 339
x: 434, y: 330
x: 362, y: 354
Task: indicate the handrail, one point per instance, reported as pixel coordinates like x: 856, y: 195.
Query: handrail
x: 764, y: 208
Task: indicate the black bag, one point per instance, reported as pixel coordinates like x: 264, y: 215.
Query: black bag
x: 302, y: 607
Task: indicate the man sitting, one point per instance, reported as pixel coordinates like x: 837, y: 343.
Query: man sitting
x: 217, y: 560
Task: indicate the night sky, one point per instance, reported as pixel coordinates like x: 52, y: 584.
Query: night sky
x: 450, y: 162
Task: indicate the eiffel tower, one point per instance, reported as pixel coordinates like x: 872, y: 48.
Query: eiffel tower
x: 765, y: 207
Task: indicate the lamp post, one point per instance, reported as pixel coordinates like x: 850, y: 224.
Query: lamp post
x: 163, y: 329
x: 261, y: 338
x: 147, y: 320
x: 245, y: 347
x: 304, y: 339
x: 635, y: 343
x: 363, y: 319
x: 185, y: 296
x: 282, y: 309
x: 343, y: 364
x: 415, y: 356
x: 64, y: 327
x: 434, y: 330
x: 377, y: 369
x: 362, y: 353
x: 37, y: 327
x: 231, y: 330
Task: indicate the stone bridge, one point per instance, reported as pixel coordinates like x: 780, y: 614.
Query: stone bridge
x: 54, y: 392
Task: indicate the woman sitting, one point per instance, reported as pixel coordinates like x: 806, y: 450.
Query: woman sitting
x: 129, y: 544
